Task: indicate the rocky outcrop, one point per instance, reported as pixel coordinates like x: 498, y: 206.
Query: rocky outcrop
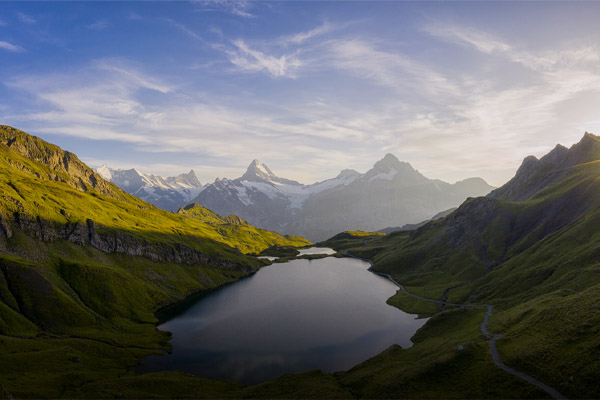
x: 112, y: 241
x: 63, y: 165
x: 5, y: 230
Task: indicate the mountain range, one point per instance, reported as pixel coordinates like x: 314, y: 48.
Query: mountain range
x: 390, y: 193
x: 166, y: 193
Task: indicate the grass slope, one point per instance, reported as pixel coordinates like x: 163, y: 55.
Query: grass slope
x: 84, y: 266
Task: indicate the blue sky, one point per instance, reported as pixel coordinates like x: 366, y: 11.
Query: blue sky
x: 457, y: 89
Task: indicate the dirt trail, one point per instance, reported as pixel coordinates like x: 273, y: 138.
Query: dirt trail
x: 493, y: 337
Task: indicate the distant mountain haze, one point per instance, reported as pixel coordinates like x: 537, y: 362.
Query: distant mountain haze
x: 412, y: 227
x: 392, y: 193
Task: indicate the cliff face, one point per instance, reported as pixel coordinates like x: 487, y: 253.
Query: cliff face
x: 110, y: 241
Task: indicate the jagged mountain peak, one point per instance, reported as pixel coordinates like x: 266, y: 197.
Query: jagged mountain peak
x: 589, y: 135
x: 535, y: 174
x: 586, y: 150
x: 390, y: 162
x: 259, y: 172
x: 390, y: 168
x: 167, y: 193
x: 189, y: 179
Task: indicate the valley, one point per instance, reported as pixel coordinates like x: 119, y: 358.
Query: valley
x: 85, y: 267
x: 237, y: 199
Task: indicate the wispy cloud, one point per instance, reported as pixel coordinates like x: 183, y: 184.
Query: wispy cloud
x: 106, y: 103
x: 98, y: 25
x: 390, y: 69
x: 11, y: 47
x: 239, y: 8
x: 488, y: 44
x: 468, y: 36
x: 250, y: 60
x: 26, y: 19
x: 280, y: 57
x: 302, y: 37
x: 185, y: 30
x: 480, y: 121
x: 133, y: 77
x: 2, y: 22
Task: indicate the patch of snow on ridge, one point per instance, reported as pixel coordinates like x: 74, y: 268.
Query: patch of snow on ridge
x: 105, y: 171
x: 262, y: 169
x: 388, y: 176
x: 269, y: 189
x: 242, y: 194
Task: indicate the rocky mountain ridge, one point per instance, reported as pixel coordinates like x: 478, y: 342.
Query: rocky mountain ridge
x: 166, y: 193
x: 534, y: 174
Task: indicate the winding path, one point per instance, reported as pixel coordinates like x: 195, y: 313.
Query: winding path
x: 493, y: 337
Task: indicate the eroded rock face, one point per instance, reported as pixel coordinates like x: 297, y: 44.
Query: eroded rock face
x: 5, y: 230
x: 111, y: 241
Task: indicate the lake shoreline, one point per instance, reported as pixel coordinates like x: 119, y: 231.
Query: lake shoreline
x: 330, y: 324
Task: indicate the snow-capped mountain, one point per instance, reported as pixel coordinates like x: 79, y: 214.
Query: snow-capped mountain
x: 392, y: 193
x: 167, y: 193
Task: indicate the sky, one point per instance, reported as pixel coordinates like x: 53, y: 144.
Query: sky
x: 457, y: 89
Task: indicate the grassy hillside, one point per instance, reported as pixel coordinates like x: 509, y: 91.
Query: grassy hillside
x: 84, y: 266
x: 239, y: 233
x: 52, y: 188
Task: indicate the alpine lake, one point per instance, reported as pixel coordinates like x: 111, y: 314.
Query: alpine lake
x: 326, y: 313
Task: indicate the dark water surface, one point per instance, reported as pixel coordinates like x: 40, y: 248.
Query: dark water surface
x: 327, y: 314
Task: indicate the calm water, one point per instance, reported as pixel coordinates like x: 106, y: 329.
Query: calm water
x: 327, y: 314
x: 317, y: 250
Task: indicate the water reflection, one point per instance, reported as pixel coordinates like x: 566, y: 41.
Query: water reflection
x: 327, y: 314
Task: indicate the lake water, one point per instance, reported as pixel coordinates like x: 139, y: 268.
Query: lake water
x: 316, y: 250
x: 327, y: 314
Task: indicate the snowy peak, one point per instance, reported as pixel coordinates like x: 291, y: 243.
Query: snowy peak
x: 167, y: 193
x: 187, y: 180
x: 391, y: 193
x: 259, y: 172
